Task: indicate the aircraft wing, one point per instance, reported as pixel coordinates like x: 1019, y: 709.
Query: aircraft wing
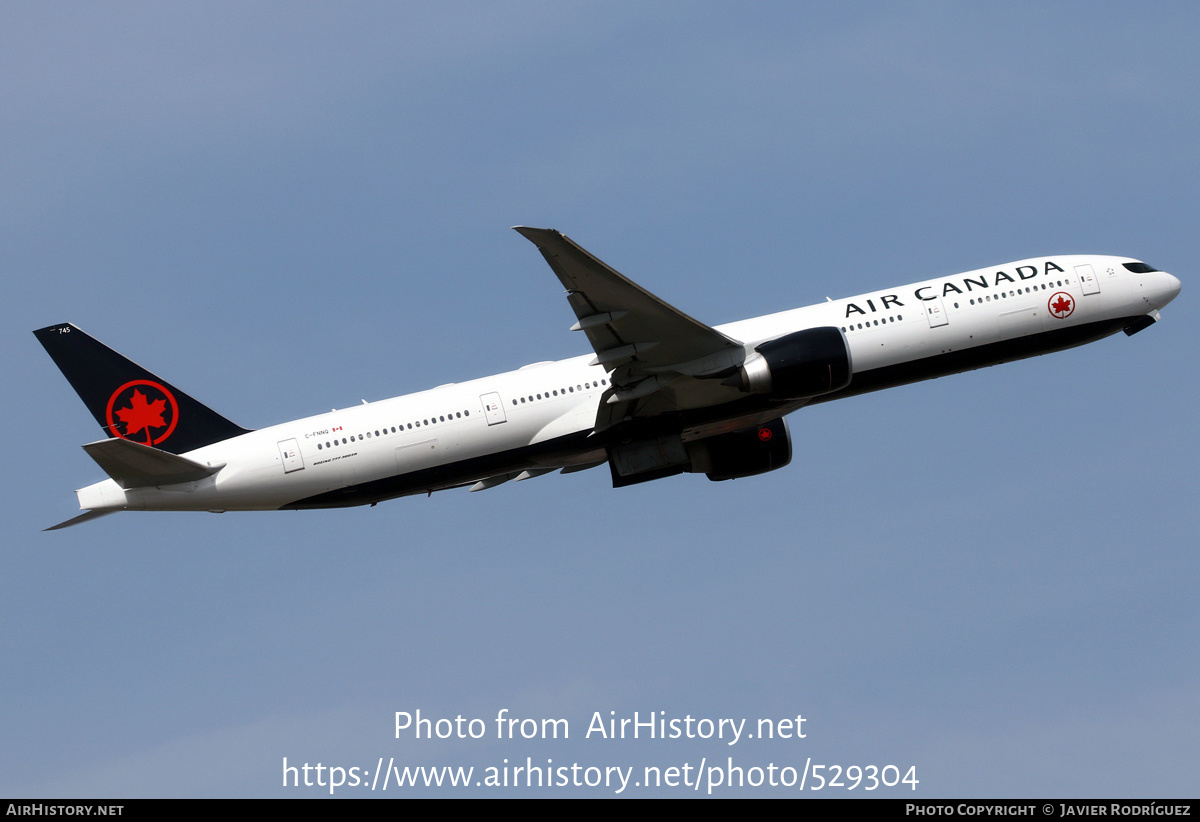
x: 648, y: 346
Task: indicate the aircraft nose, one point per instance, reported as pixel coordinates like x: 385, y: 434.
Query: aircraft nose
x: 1173, y: 286
x: 1165, y: 288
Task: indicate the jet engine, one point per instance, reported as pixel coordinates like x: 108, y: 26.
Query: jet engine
x: 803, y: 364
x: 737, y: 454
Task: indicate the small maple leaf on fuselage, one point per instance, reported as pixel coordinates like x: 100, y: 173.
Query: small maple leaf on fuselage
x: 142, y: 415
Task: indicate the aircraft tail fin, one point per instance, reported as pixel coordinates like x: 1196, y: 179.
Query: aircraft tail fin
x: 127, y: 400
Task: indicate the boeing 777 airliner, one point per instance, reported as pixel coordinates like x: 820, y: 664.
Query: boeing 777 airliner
x: 663, y: 394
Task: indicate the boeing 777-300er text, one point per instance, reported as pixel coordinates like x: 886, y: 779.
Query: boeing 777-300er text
x: 663, y: 394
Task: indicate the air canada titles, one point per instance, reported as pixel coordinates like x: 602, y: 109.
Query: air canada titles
x: 962, y: 284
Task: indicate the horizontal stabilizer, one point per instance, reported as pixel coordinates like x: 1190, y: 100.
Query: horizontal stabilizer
x: 133, y: 465
x: 84, y: 517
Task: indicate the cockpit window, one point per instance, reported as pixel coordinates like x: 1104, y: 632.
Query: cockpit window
x: 1139, y: 268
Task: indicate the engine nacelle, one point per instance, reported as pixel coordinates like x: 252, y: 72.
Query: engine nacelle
x: 726, y: 456
x: 803, y: 364
x: 744, y: 453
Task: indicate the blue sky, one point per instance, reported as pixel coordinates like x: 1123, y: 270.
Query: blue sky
x: 285, y: 208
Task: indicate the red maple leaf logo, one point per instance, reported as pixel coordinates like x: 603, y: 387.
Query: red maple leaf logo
x: 142, y: 415
x: 1061, y: 305
x: 142, y: 406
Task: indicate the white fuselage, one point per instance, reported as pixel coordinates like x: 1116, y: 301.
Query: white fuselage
x: 539, y: 417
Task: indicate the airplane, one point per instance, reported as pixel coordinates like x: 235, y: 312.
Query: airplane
x: 663, y: 393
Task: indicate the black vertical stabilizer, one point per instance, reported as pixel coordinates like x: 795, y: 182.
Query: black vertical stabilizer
x: 127, y: 400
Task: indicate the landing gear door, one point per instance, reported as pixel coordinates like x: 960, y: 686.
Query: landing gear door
x: 1087, y: 279
x: 493, y: 409
x: 289, y: 455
